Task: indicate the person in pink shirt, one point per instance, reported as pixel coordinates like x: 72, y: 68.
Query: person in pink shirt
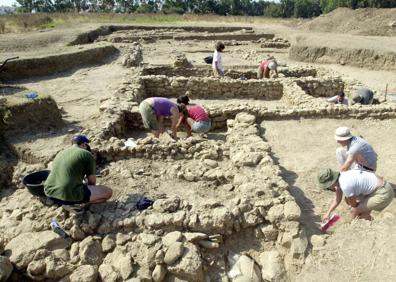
x: 194, y: 117
x: 265, y: 68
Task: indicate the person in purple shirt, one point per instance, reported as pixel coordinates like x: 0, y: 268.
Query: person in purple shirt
x: 154, y: 110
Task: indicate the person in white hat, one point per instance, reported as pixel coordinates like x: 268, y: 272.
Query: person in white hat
x: 266, y: 67
x: 355, y: 152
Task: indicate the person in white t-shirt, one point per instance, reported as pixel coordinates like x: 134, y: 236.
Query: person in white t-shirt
x: 364, y: 191
x: 217, y: 63
x: 339, y: 99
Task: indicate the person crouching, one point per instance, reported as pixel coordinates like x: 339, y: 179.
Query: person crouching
x: 70, y: 168
x: 364, y: 191
x: 193, y: 116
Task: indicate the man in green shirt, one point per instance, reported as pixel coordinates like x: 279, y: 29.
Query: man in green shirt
x: 64, y: 184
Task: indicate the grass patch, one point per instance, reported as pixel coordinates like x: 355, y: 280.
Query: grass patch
x: 26, y: 22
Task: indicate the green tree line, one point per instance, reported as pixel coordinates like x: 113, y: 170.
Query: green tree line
x: 282, y: 8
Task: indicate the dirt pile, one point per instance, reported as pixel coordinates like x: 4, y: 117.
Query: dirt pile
x: 369, y: 21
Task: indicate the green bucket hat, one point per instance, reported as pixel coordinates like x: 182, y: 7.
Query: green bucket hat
x: 356, y: 98
x: 327, y: 178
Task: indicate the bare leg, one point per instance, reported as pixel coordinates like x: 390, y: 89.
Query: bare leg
x: 361, y: 213
x: 99, y: 193
x: 188, y: 127
x: 259, y: 73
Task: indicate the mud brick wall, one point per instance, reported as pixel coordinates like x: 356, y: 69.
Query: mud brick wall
x: 212, y: 88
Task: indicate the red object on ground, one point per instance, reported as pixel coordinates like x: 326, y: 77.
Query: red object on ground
x: 332, y: 220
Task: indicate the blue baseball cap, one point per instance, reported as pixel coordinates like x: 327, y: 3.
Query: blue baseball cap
x: 80, y: 139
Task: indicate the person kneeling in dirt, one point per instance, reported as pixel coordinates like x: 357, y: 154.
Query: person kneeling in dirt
x: 355, y: 152
x: 339, y: 99
x: 364, y: 191
x: 266, y: 67
x: 194, y: 117
x: 217, y: 63
x: 363, y: 96
x: 153, y: 111
x: 70, y: 167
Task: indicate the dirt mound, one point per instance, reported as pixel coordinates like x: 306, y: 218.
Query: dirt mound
x: 369, y: 21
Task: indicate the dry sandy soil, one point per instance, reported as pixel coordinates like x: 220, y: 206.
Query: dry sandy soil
x: 357, y: 251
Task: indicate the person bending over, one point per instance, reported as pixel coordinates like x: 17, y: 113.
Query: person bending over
x: 355, y: 152
x: 266, y: 67
x: 363, y: 96
x: 153, y: 111
x: 364, y: 191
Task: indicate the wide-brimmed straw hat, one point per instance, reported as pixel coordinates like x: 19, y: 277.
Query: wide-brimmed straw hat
x: 342, y: 133
x: 327, y: 177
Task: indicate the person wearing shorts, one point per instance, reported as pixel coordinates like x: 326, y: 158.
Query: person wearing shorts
x: 153, y: 111
x: 194, y: 117
x: 72, y: 179
x: 364, y: 191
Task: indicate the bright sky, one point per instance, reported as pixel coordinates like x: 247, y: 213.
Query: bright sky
x: 7, y: 2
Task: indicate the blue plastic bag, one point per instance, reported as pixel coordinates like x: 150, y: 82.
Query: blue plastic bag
x: 143, y: 203
x: 32, y: 95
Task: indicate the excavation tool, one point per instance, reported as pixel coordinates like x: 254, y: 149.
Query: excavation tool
x: 330, y: 222
x: 6, y: 61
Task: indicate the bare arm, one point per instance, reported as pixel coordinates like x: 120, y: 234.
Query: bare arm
x: 179, y: 122
x: 337, y: 200
x: 161, y: 124
x: 347, y: 165
x: 174, y: 118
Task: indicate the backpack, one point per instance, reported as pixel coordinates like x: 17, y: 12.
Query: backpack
x: 208, y: 60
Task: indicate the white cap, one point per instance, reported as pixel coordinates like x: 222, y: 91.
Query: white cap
x: 342, y: 133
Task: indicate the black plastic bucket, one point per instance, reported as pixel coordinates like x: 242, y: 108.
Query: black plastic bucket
x: 34, y: 182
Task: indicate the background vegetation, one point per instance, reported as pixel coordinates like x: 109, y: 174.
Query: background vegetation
x: 282, y: 8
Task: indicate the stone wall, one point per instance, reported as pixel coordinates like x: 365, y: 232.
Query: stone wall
x: 91, y: 36
x: 150, y: 148
x: 232, y: 73
x: 321, y: 87
x: 212, y: 88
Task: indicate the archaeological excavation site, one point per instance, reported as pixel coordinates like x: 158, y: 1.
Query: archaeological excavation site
x: 238, y: 203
